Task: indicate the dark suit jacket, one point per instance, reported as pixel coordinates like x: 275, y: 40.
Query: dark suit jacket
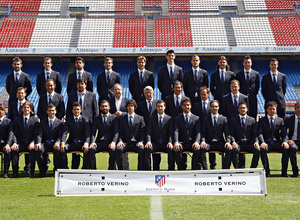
x: 6, y: 131
x: 157, y: 135
x: 238, y: 134
x: 105, y: 91
x: 89, y: 109
x: 227, y: 108
x: 271, y: 93
x: 165, y: 85
x: 250, y: 90
x: 109, y: 133
x: 57, y: 100
x: 134, y: 134
x: 265, y: 133
x: 218, y: 90
x: 190, y: 86
x: 143, y: 110
x: 13, y: 111
x: 135, y: 87
x: 290, y: 126
x: 112, y: 103
x: 182, y: 134
x: 25, y: 136
x: 45, y: 135
x: 171, y: 108
x: 11, y: 86
x: 197, y: 109
x: 41, y: 82
x: 209, y: 133
x: 80, y: 131
x: 72, y: 82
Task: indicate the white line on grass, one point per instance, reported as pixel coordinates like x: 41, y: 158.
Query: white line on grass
x: 156, y: 211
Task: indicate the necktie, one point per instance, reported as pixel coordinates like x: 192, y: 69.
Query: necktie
x: 222, y: 77
x: 76, y: 121
x: 80, y: 100
x: 26, y: 123
x: 243, y: 123
x: 171, y: 73
x: 274, y: 80
x: 150, y: 106
x: 48, y: 75
x: 17, y: 79
x: 177, y: 103
x: 141, y: 78
x: 298, y: 131
x: 50, y: 100
x: 51, y: 125
x: 108, y: 78
x: 248, y: 77
x: 215, y: 122
x: 187, y: 121
x: 204, y: 109
x: 20, y: 107
x: 196, y: 76
x: 272, y: 129
x: 160, y: 122
x: 130, y: 121
x: 235, y: 102
x: 79, y: 74
x: 104, y: 120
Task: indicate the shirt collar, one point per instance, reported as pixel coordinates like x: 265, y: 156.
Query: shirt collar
x: 184, y: 115
x: 243, y: 116
x: 131, y: 115
x: 1, y: 119
x: 79, y: 71
x: 220, y: 70
x: 168, y: 65
x: 139, y: 71
x: 175, y: 96
x: 119, y: 99
x: 158, y: 115
x: 49, y: 119
x: 52, y: 94
x: 198, y: 69
x: 269, y: 117
x: 17, y: 72
x: 232, y: 95
x: 48, y: 71
x: 212, y: 116
x: 76, y: 117
x: 276, y: 73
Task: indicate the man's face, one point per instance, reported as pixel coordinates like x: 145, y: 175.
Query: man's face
x: 141, y: 63
x: 274, y: 66
x: 297, y: 110
x: 177, y: 89
x: 170, y: 58
x: 148, y: 94
x: 17, y: 66
x: 242, y: 109
x: 79, y: 65
x: 104, y: 108
x: 2, y: 113
x: 81, y: 86
x: 50, y: 86
x: 47, y: 65
x: 234, y: 88
x: 76, y: 111
x: 118, y: 91
x: 186, y: 107
x: 130, y: 108
x: 222, y: 64
x: 214, y: 108
x: 271, y: 110
x: 108, y: 64
x: 204, y: 95
x: 195, y: 62
x: 247, y: 64
x: 160, y: 107
x: 51, y: 112
x: 26, y: 110
x: 21, y: 94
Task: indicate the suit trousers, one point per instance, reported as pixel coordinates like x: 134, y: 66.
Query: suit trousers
x: 75, y: 157
x: 131, y: 146
x: 101, y: 146
x: 48, y: 147
x: 248, y: 147
x: 6, y: 159
x: 292, y: 153
x: 187, y: 146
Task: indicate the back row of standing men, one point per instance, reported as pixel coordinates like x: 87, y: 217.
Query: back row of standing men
x: 222, y: 84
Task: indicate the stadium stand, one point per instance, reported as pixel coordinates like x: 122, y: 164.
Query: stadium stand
x: 107, y: 5
x: 50, y: 5
x: 24, y: 5
x: 151, y: 3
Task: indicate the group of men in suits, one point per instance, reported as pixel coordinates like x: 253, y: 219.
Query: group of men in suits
x: 175, y: 124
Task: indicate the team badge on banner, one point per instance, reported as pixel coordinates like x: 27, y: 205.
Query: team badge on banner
x: 160, y: 180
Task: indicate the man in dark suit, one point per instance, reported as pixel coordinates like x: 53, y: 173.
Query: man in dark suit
x: 86, y: 99
x: 220, y: 80
x: 6, y: 138
x: 139, y: 79
x: 230, y: 102
x: 194, y: 79
x: 49, y: 136
x: 273, y: 87
x: 132, y: 130
x: 77, y: 127
x: 25, y: 130
x: 108, y: 133
x: 15, y: 107
x: 118, y: 102
x: 168, y: 74
x: 272, y: 137
x: 215, y: 129
x: 293, y: 126
x: 173, y: 106
x: 159, y: 137
x: 17, y: 79
x: 187, y: 135
x: 51, y: 97
x: 48, y: 73
x: 249, y: 85
x: 243, y: 131
x: 79, y: 73
x: 107, y: 80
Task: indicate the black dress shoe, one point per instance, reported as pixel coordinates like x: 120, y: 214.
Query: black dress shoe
x: 32, y: 175
x: 5, y: 175
x: 15, y: 175
x: 42, y: 175
x: 294, y: 175
x: 284, y: 175
x: 268, y: 175
x: 26, y: 172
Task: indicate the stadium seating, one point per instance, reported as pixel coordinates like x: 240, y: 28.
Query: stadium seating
x: 24, y: 5
x: 280, y: 4
x: 50, y: 5
x: 151, y: 3
x: 198, y: 5
x: 104, y: 5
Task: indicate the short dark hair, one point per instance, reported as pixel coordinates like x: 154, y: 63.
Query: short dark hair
x: 48, y: 58
x: 178, y: 82
x: 141, y: 58
x: 161, y: 102
x: 271, y: 103
x: 204, y: 88
x: 81, y: 79
x: 213, y: 102
x: 108, y: 59
x: 243, y: 103
x: 79, y: 58
x: 104, y: 101
x: 131, y: 101
x: 273, y: 59
x: 17, y: 59
x: 186, y: 100
x: 51, y: 106
x: 247, y: 57
x: 76, y: 104
x: 170, y: 51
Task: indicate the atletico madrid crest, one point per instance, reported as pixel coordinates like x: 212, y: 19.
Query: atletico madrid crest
x: 160, y: 180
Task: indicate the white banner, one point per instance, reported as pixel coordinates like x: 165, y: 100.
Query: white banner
x: 139, y: 183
